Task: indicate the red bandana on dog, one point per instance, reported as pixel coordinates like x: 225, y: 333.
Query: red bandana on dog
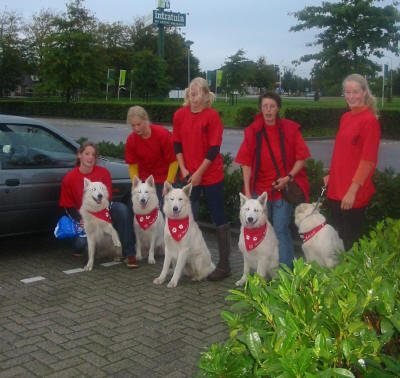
x: 145, y: 221
x: 103, y: 215
x: 254, y: 236
x: 178, y: 227
x: 308, y: 235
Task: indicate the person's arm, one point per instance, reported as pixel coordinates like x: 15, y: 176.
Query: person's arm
x: 180, y: 159
x: 212, y: 153
x: 283, y: 181
x: 246, y: 170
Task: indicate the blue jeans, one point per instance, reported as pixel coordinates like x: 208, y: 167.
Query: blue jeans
x: 214, y: 195
x: 122, y: 220
x: 280, y: 215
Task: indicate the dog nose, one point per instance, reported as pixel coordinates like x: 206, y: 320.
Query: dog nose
x: 142, y: 200
x: 99, y: 196
x: 250, y: 220
x: 175, y: 208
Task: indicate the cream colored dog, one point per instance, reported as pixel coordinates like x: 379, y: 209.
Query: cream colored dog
x: 321, y: 242
x: 184, y: 243
x: 257, y: 242
x: 149, y: 221
x: 96, y: 218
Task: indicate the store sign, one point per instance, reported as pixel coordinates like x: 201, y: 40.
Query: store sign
x: 169, y: 18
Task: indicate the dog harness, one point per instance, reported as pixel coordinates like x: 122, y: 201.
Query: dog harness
x: 254, y: 236
x: 178, y: 227
x: 103, y: 215
x: 146, y: 220
x: 309, y: 234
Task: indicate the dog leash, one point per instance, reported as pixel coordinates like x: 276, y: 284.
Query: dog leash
x: 319, y: 200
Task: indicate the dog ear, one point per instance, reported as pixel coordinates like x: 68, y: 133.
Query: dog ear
x: 187, y: 189
x: 167, y: 187
x: 263, y: 199
x: 135, y: 182
x: 243, y: 199
x: 150, y: 181
x: 86, y: 183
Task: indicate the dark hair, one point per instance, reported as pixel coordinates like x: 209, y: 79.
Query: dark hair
x: 83, y: 147
x: 273, y: 96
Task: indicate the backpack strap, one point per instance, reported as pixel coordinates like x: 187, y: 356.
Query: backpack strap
x: 258, y: 159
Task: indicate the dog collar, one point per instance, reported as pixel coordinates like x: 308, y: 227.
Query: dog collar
x: 309, y: 234
x: 146, y: 220
x: 254, y: 236
x: 102, y: 214
x: 178, y: 227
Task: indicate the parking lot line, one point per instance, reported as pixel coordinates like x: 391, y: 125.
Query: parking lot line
x: 32, y: 279
x: 73, y: 271
x: 110, y: 263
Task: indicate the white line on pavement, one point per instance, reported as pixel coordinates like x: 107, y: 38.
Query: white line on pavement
x: 73, y: 271
x: 32, y: 279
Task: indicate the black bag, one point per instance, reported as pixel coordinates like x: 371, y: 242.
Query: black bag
x: 292, y: 192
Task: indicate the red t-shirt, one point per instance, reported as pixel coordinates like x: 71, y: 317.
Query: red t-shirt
x: 153, y: 155
x: 72, y: 185
x: 357, y: 139
x: 295, y: 149
x: 197, y: 132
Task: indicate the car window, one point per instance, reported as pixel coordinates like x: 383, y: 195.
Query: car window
x: 31, y: 146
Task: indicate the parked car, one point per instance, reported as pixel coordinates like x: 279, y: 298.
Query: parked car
x: 34, y: 157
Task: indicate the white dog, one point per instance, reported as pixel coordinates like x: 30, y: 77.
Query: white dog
x: 257, y: 242
x: 184, y: 242
x: 96, y: 218
x: 321, y: 242
x: 149, y: 221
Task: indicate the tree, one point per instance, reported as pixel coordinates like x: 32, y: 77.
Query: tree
x: 149, y: 75
x: 235, y: 72
x: 262, y: 75
x: 353, y: 31
x: 12, y: 61
x: 292, y: 83
x: 70, y: 63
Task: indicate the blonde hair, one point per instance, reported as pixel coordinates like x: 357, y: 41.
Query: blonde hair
x: 203, y: 85
x: 369, y: 98
x: 137, y: 111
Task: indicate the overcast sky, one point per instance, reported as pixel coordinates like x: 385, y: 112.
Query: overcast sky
x: 218, y: 28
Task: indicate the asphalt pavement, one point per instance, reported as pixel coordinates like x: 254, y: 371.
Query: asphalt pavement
x: 57, y: 321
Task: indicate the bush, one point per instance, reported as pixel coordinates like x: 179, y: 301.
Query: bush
x: 316, y: 322
x: 245, y: 115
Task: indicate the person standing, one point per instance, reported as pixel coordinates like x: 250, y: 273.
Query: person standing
x: 197, y: 136
x: 149, y: 150
x: 354, y: 160
x: 72, y: 194
x: 272, y: 154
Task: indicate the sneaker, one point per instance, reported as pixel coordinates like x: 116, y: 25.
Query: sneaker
x: 131, y: 262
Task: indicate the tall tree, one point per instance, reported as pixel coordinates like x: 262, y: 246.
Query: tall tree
x: 70, y: 63
x: 352, y: 32
x: 12, y: 61
x: 262, y: 75
x: 236, y: 73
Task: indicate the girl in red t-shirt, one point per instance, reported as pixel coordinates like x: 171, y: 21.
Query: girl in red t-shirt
x: 149, y: 150
x: 72, y: 194
x: 197, y: 137
x: 354, y: 160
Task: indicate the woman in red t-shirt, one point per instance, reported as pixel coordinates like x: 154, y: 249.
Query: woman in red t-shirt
x: 197, y: 136
x: 149, y: 150
x: 354, y: 160
x: 72, y: 194
x: 261, y: 175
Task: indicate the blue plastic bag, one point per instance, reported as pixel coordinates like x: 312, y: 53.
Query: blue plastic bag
x: 67, y: 228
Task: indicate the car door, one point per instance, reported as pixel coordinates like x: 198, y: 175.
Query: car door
x: 33, y: 160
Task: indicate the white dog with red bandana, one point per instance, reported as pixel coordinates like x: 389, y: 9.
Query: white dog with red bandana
x: 148, y: 221
x: 321, y: 242
x: 257, y: 242
x: 184, y: 243
x: 96, y: 218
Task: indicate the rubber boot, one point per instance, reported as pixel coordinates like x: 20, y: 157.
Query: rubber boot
x: 223, y: 269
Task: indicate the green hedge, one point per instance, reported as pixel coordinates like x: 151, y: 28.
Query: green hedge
x: 313, y: 120
x: 316, y: 322
x: 95, y: 110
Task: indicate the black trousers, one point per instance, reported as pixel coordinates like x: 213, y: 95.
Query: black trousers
x: 348, y: 223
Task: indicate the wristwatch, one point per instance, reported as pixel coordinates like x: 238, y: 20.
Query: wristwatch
x: 290, y: 177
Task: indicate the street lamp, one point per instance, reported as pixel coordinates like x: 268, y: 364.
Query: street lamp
x: 188, y: 43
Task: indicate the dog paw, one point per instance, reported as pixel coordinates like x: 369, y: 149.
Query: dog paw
x: 151, y: 260
x: 117, y: 243
x: 138, y: 257
x: 241, y: 282
x: 158, y: 281
x: 172, y: 284
x: 88, y: 267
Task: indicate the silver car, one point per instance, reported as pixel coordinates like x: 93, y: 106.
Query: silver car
x: 34, y: 157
